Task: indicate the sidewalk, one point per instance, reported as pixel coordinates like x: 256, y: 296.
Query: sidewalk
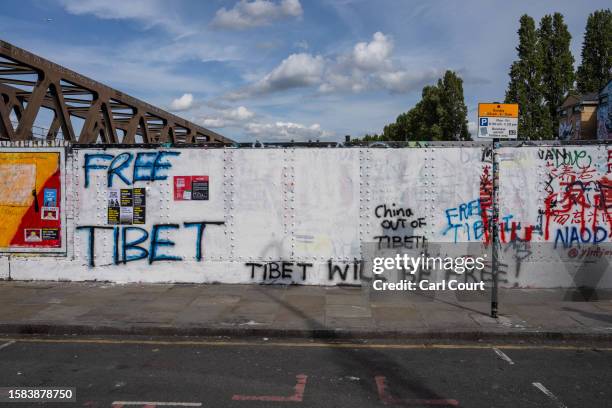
x: 294, y: 311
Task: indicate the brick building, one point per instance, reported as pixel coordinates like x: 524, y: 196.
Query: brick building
x: 578, y: 117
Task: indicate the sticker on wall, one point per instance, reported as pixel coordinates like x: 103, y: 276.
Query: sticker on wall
x: 32, y: 234
x: 190, y: 188
x: 113, y: 207
x: 199, y: 188
x: 50, y: 197
x: 126, y: 206
x: 139, y: 201
x: 125, y: 215
x: 50, y: 234
x: 113, y: 198
x: 125, y: 197
x: 49, y: 213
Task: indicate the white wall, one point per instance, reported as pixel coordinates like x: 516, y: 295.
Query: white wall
x: 289, y: 215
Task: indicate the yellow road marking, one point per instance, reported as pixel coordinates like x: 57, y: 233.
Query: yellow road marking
x: 203, y: 343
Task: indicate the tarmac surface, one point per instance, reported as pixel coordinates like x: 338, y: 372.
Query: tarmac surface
x: 165, y: 345
x: 127, y: 372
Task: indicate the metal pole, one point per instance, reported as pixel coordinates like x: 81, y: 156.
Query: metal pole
x: 494, y: 232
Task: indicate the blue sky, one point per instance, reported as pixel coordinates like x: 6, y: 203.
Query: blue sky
x: 285, y: 69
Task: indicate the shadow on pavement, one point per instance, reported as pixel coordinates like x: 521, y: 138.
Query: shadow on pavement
x: 374, y: 362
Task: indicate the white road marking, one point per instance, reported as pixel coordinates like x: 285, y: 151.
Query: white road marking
x: 549, y: 394
x: 6, y: 344
x: 503, y: 356
x: 159, y: 404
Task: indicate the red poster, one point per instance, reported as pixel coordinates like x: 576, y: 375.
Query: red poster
x: 182, y: 188
x: 30, y: 200
x: 190, y: 188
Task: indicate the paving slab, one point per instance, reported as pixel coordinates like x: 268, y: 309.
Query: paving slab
x: 212, y: 300
x: 348, y: 311
x: 395, y: 313
x: 60, y: 313
x: 546, y: 317
x: 304, y: 311
x: 346, y: 299
x: 445, y: 320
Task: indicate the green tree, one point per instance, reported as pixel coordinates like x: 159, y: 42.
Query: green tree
x: 428, y: 117
x: 557, y: 63
x: 454, y: 112
x: 370, y: 138
x: 596, y: 68
x: 525, y: 86
x: 441, y: 114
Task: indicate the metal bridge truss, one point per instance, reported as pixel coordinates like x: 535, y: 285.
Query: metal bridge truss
x: 79, y: 109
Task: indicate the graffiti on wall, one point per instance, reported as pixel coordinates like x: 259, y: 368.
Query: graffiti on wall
x: 575, y: 187
x: 472, y: 221
x: 399, y: 226
x: 604, y: 113
x: 144, y: 214
x: 575, y: 207
x: 129, y: 167
x: 568, y: 129
x: 578, y: 197
x: 132, y: 222
x: 154, y: 245
x: 31, y: 209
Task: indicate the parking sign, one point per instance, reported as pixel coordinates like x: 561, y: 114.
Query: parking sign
x: 498, y: 120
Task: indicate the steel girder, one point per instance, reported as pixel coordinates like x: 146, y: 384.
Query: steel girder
x: 105, y: 115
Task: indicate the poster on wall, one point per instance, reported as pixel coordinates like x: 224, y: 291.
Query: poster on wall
x: 126, y: 206
x: 191, y: 188
x: 498, y: 120
x: 31, y: 208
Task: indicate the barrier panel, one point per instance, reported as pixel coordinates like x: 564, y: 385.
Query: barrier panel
x: 303, y: 215
x: 555, y: 206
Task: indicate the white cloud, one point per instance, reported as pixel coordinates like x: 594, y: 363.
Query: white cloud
x: 213, y: 123
x: 132, y: 71
x: 359, y: 70
x: 285, y: 131
x: 227, y: 117
x: 183, y: 103
x: 265, y: 130
x: 366, y: 66
x: 403, y: 81
x: 297, y: 70
x: 292, y: 8
x: 240, y: 113
x: 187, y: 49
x: 344, y: 80
x: 256, y: 13
x: 373, y: 55
x: 149, y: 12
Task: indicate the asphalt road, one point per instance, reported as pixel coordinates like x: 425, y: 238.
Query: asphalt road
x: 131, y: 372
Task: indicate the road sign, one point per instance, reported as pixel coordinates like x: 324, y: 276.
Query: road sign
x: 498, y: 120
